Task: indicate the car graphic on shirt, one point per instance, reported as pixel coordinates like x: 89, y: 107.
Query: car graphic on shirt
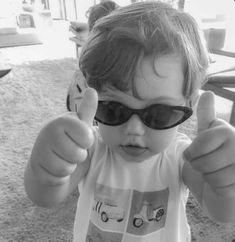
x: 148, y: 214
x: 108, y: 210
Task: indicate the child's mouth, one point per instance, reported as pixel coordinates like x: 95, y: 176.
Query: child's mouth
x: 133, y: 150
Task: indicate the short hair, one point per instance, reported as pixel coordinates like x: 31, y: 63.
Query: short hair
x: 118, y: 41
x: 99, y: 10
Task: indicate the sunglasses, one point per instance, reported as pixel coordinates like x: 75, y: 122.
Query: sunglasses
x: 156, y: 116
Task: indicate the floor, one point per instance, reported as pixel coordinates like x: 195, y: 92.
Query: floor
x: 56, y: 45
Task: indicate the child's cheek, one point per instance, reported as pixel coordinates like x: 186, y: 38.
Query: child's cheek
x: 156, y: 140
x: 110, y: 134
x: 159, y: 140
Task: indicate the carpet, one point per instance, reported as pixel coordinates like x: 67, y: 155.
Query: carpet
x: 30, y: 95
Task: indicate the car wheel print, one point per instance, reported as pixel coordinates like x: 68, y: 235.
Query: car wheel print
x: 159, y: 214
x: 138, y: 222
x: 104, y: 217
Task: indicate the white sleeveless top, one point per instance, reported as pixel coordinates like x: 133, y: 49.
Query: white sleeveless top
x: 133, y: 202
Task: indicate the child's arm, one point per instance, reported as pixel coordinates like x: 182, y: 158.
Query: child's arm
x: 59, y: 157
x: 209, y: 171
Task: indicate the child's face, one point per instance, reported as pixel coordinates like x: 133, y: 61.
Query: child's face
x: 133, y: 140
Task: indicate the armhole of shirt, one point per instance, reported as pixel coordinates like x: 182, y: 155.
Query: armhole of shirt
x: 183, y: 142
x: 98, y: 149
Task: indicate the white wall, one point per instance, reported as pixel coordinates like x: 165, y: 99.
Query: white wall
x: 82, y: 7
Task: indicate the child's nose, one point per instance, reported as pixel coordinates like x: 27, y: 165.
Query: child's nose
x: 134, y: 126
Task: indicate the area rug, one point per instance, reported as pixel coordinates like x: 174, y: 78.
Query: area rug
x: 30, y: 95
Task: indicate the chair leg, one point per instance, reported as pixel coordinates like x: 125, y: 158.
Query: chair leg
x: 232, y: 117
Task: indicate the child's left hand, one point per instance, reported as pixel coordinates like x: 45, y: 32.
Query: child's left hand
x: 212, y: 152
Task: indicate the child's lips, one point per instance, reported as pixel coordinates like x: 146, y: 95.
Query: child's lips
x: 134, y: 150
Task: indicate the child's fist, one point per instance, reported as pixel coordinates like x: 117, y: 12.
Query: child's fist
x: 212, y: 152
x: 63, y: 143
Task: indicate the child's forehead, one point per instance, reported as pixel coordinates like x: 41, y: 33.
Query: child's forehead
x: 161, y: 75
x: 156, y: 79
x: 161, y: 63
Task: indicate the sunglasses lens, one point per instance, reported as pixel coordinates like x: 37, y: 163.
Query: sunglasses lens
x: 111, y: 113
x: 157, y: 116
x: 164, y: 117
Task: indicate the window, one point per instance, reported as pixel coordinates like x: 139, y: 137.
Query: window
x: 216, y: 18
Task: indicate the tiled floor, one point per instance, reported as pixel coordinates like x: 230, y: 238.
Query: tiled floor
x: 56, y: 45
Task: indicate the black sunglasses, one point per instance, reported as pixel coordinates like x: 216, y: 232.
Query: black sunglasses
x: 156, y: 116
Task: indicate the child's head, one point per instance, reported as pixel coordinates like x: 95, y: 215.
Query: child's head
x: 99, y: 10
x: 148, y: 57
x: 121, y: 39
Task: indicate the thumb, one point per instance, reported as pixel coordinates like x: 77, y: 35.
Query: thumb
x: 206, y: 113
x: 88, y: 106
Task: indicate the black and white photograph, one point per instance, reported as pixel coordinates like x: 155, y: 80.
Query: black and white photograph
x: 117, y: 121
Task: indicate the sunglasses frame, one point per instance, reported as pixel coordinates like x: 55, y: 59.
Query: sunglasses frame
x: 186, y: 110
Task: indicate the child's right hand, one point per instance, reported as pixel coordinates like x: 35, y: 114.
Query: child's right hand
x: 63, y: 143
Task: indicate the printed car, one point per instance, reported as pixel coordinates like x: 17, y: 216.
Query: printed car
x: 148, y: 214
x: 108, y: 211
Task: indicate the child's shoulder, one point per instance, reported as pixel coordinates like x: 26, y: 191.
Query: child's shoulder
x: 181, y: 137
x: 180, y: 142
x: 173, y: 155
x: 98, y: 146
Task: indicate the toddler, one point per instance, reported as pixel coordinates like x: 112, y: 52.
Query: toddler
x: 144, y: 64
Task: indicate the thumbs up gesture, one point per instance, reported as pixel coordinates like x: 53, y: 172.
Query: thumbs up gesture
x: 212, y: 152
x: 62, y: 144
